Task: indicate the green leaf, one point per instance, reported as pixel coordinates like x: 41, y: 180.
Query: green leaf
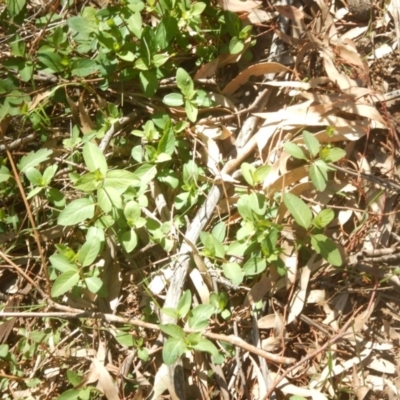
x: 89, y: 182
x: 65, y: 282
x: 34, y: 192
x: 197, y: 8
x: 173, y: 100
x: 146, y: 173
x: 129, y: 240
x: 134, y: 24
x: 295, y: 151
x: 62, y: 263
x: 236, y: 45
x: 124, y: 339
x: 4, y: 174
x: 49, y: 173
x: 185, y: 83
x: 149, y: 82
x: 248, y: 171
x: 261, y: 173
x: 71, y: 394
x: 34, y: 176
x: 311, y: 143
x: 84, y: 26
x: 184, y: 304
x: 14, y: 7
x: 332, y: 155
x: 173, y: 349
x: 298, y: 209
x: 173, y: 330
x: 51, y: 60
x: 327, y: 248
x: 4, y: 350
x: 191, y: 111
x: 205, y: 345
x: 121, y: 180
x: 167, y: 143
x: 323, y: 218
x: 254, y: 266
x: 84, y: 67
x: 89, y: 251
x: 319, y: 174
x: 94, y: 284
x: 219, y: 231
x: 166, y: 30
x: 76, y: 212
x: 199, y: 317
x: 33, y: 159
x: 94, y: 158
x: 74, y: 378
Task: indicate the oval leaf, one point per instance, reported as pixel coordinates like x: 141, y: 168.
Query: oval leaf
x: 298, y: 209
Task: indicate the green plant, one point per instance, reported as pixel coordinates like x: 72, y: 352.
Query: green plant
x: 318, y: 166
x: 191, y: 98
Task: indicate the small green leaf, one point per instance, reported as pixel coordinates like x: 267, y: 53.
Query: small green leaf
x: 4, y: 350
x: 149, y: 82
x: 323, y: 218
x: 84, y: 26
x: 327, y: 249
x: 129, y: 240
x: 173, y: 330
x: 261, y: 173
x: 219, y: 231
x: 184, y: 304
x: 94, y: 284
x: 248, y: 172
x: 84, y: 67
x: 70, y: 394
x: 185, y: 83
x: 233, y: 272
x: 236, y: 45
x: 4, y: 174
x: 33, y: 159
x: 298, y: 209
x: 94, y: 158
x: 191, y: 111
x: 76, y: 212
x: 173, y: 349
x: 173, y: 100
x: 62, y: 263
x: 199, y: 317
x: 319, y: 174
x: 34, y: 176
x: 65, y: 282
x: 254, y: 266
x: 295, y: 151
x: 51, y: 60
x: 332, y: 155
x: 121, y: 180
x: 49, y: 173
x: 205, y: 345
x: 311, y: 143
x: 89, y: 251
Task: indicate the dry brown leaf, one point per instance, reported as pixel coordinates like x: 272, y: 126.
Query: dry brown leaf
x: 268, y: 321
x: 238, y: 5
x: 200, y: 286
x: 258, y: 16
x: 87, y: 124
x: 270, y: 188
x: 262, y: 388
x: 259, y: 290
x: 256, y: 70
x: 381, y: 365
x: 290, y: 12
x: 105, y: 383
x: 299, y: 297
